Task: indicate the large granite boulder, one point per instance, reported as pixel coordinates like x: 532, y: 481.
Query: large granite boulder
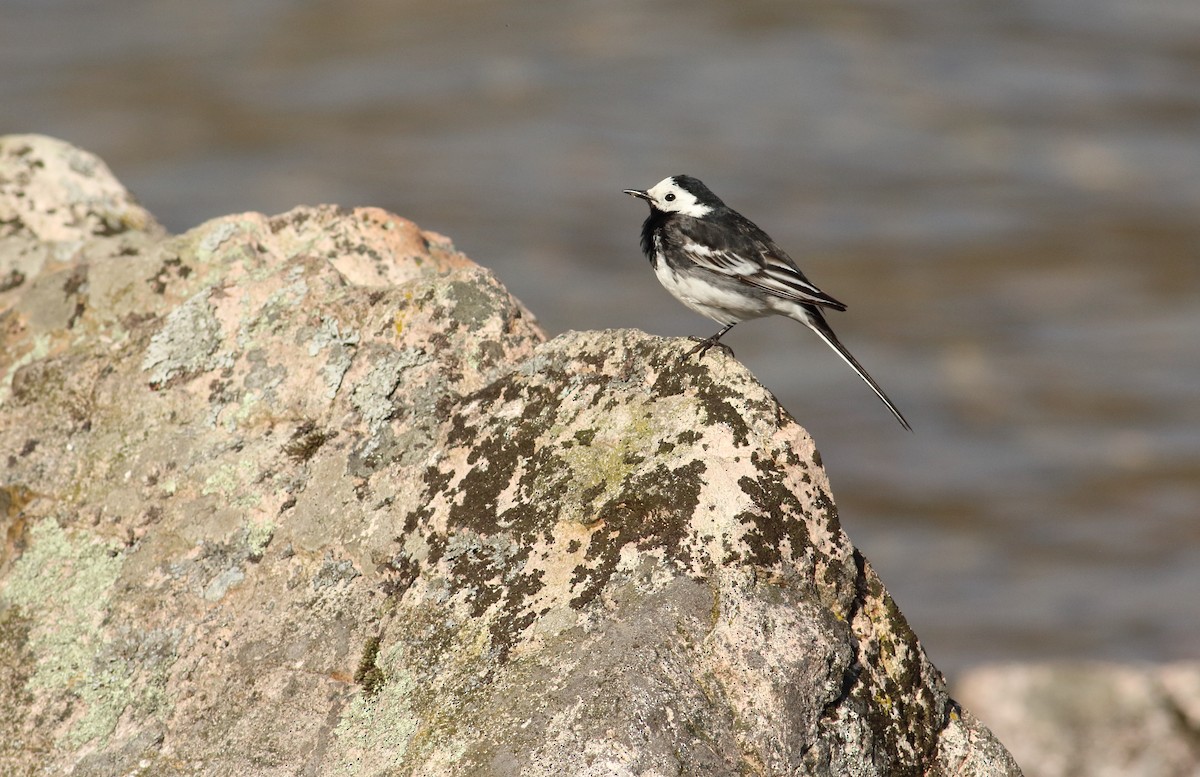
x: 312, y: 494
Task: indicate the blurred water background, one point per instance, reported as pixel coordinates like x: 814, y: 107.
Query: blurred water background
x: 1005, y: 194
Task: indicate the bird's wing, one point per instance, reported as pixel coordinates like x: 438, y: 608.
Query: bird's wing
x: 748, y: 254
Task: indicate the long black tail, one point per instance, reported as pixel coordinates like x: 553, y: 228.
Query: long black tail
x: 813, y: 319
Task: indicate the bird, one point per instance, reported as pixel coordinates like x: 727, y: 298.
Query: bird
x: 723, y: 266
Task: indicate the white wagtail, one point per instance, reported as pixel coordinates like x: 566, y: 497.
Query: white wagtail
x: 721, y: 265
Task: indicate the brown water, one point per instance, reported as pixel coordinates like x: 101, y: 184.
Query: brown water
x: 1007, y: 196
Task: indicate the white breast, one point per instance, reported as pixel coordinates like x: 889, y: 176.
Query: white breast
x: 706, y: 299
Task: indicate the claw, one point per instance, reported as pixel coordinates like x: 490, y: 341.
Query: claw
x: 704, y: 344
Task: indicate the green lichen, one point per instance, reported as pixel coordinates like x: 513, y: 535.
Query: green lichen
x: 372, y: 395
x: 258, y: 536
x: 64, y: 584
x: 187, y: 344
x: 600, y: 466
x: 375, y: 731
x: 209, y: 246
x: 230, y: 481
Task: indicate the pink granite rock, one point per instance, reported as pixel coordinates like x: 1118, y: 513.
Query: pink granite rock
x: 312, y: 494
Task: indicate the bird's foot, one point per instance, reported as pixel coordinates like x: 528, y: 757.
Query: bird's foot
x: 704, y: 344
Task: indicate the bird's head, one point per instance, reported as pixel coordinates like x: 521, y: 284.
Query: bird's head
x: 680, y: 194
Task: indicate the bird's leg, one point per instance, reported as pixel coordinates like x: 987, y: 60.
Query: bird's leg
x: 702, y: 346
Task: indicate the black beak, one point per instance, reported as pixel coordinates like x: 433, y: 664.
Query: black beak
x: 639, y: 194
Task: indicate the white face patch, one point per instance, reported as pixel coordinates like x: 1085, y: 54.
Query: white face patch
x: 670, y: 197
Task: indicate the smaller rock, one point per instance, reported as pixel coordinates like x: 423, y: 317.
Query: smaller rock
x: 1096, y: 719
x: 55, y: 191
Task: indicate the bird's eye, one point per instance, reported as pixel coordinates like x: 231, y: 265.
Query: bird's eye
x: 670, y: 197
